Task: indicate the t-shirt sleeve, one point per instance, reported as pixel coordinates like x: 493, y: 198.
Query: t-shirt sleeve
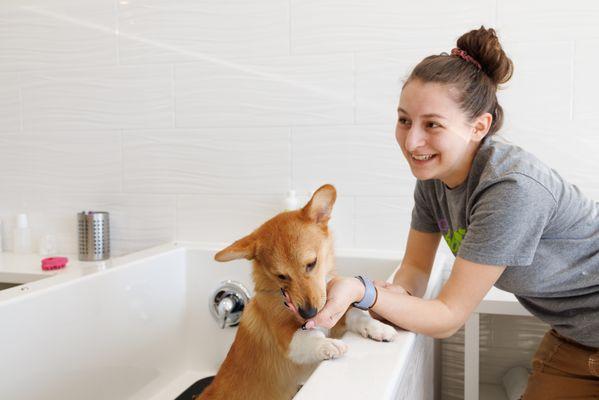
x: 423, y: 219
x: 507, y: 221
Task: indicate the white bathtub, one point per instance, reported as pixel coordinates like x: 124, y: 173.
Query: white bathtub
x: 139, y: 327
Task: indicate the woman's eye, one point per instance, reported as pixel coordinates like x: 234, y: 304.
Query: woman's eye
x: 311, y: 266
x: 403, y: 121
x: 283, y: 277
x: 433, y: 125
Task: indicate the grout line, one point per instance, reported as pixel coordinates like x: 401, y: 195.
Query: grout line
x: 21, y: 102
x: 118, y: 32
x: 122, y: 162
x: 354, y: 100
x: 496, y: 19
x: 173, y: 95
x: 289, y: 21
x: 354, y: 221
x: 176, y: 217
x: 572, y: 80
x: 291, y: 175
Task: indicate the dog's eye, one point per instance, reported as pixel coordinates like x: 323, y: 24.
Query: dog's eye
x: 283, y: 277
x: 311, y: 266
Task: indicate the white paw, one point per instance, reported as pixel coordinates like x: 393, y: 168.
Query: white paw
x: 378, y: 331
x: 331, y: 348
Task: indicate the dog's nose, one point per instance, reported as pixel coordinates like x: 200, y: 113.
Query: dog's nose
x: 307, y: 313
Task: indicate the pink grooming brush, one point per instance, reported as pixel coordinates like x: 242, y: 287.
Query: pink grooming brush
x: 51, y: 263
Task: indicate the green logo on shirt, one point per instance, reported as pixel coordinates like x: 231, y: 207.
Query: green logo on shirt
x: 454, y: 239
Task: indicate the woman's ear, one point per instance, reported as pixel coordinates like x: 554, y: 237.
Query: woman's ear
x: 320, y: 206
x: 481, y: 126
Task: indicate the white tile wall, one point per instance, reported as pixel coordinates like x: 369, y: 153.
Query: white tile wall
x: 164, y: 31
x: 383, y: 222
x: 10, y: 103
x: 586, y: 79
x: 136, y: 222
x: 218, y: 160
x: 379, y: 78
x: 121, y: 97
x: 547, y: 21
x: 325, y: 26
x: 192, y: 119
x: 56, y: 34
x: 283, y: 91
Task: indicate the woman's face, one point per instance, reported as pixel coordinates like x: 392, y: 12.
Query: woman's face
x: 434, y: 134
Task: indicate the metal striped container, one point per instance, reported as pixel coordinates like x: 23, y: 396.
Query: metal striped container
x: 94, y: 235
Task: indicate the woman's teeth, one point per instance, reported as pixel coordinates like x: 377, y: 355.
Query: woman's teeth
x: 423, y: 157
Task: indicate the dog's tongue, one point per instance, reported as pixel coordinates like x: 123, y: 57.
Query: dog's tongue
x: 291, y: 305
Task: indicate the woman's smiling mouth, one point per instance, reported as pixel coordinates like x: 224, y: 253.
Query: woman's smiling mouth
x: 422, y: 158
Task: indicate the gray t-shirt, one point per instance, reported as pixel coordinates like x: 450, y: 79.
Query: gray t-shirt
x: 515, y: 211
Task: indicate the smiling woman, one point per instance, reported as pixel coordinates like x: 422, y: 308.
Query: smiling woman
x: 510, y: 220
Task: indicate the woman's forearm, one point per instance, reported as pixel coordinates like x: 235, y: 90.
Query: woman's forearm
x: 412, y: 279
x: 429, y: 317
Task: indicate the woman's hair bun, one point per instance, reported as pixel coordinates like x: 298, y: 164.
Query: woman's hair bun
x: 483, y: 45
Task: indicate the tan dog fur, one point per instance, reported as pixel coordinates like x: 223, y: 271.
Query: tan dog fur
x: 260, y: 364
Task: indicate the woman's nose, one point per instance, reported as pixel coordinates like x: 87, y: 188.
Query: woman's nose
x: 415, y: 138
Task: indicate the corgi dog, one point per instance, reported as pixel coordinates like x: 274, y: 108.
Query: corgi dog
x: 292, y: 257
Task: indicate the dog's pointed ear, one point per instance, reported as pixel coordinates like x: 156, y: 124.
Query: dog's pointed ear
x: 320, y: 206
x: 242, y: 248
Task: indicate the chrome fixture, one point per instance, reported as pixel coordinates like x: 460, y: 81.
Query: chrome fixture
x: 227, y: 303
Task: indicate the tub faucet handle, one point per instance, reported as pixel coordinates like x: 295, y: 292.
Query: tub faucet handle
x: 225, y: 306
x: 227, y: 303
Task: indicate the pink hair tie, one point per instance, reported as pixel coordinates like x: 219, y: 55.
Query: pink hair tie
x: 463, y: 55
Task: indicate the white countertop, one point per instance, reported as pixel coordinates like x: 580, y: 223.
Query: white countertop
x: 498, y: 301
x: 26, y: 270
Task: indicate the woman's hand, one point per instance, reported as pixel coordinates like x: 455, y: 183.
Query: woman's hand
x: 342, y: 292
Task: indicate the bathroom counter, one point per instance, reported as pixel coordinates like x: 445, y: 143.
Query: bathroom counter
x: 24, y: 271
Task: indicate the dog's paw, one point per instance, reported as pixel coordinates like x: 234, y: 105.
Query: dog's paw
x: 376, y: 330
x: 331, y: 348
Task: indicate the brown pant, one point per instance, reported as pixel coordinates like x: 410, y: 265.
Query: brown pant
x: 563, y: 369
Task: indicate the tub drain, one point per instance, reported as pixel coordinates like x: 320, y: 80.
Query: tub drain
x: 195, y: 389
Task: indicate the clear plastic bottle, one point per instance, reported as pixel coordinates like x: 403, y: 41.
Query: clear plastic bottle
x: 290, y: 201
x: 22, y: 236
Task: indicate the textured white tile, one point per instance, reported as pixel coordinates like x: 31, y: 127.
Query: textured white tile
x: 10, y: 103
x: 323, y: 26
x: 550, y: 20
x: 343, y: 222
x: 136, y: 222
x: 61, y: 161
x: 191, y: 30
x: 563, y: 146
x: 379, y: 79
x: 223, y: 218
x: 15, y: 163
x: 586, y: 79
x: 139, y: 222
x: 542, y: 82
x: 358, y: 160
x: 39, y: 34
x: 384, y: 222
x: 226, y: 218
x: 107, y: 98
x: 207, y: 161
x: 267, y: 91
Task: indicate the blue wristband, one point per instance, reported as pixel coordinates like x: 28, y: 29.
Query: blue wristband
x: 370, y: 294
